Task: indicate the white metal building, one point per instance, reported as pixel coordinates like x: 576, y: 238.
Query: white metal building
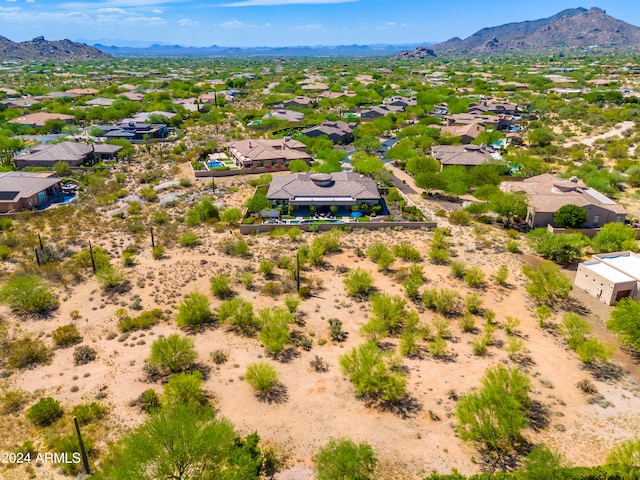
x: 610, y: 276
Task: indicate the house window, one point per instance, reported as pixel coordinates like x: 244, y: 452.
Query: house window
x: 618, y: 218
x: 596, y: 220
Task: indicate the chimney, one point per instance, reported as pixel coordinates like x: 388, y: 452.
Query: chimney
x: 574, y: 179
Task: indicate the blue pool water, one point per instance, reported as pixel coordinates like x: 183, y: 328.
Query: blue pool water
x: 215, y: 164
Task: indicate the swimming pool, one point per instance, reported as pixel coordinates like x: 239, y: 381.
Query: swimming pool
x: 215, y: 164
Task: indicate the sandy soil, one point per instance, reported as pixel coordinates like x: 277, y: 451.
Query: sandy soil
x: 323, y: 405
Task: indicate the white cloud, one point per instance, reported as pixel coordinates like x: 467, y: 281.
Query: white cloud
x: 148, y: 21
x: 187, y: 22
x: 274, y: 3
x: 9, y: 9
x: 11, y: 1
x: 311, y: 26
x: 77, y: 15
x: 111, y: 10
x: 236, y: 24
x: 157, y: 11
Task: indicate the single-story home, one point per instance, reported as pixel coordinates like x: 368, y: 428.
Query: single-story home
x: 266, y: 153
x: 40, y: 118
x: 342, y: 189
x: 498, y: 122
x: 135, y: 132
x: 398, y: 101
x: 547, y: 194
x: 338, y: 132
x: 27, y: 190
x: 72, y: 153
x: 300, y: 102
x: 467, y: 133
x: 466, y: 155
x: 610, y: 277
x: 290, y: 116
x: 494, y: 106
x: 379, y: 111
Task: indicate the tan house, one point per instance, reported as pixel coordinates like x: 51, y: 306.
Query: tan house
x: 40, y: 118
x: 548, y: 193
x: 267, y: 153
x: 465, y: 155
x: 610, y: 277
x: 28, y: 190
x: 338, y: 132
x: 467, y: 133
x: 72, y: 153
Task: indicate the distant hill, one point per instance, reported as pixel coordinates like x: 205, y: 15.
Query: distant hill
x: 420, y: 52
x: 577, y: 27
x: 296, y: 51
x: 40, y: 49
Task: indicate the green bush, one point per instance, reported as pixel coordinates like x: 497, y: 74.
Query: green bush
x: 204, y: 211
x: 370, y: 374
x: 262, y: 377
x: 459, y: 217
x: 501, y: 275
x: 148, y: 400
x: 44, y: 413
x: 66, y: 335
x: 221, y: 286
x: 143, y: 321
x: 406, y: 251
x: 439, y: 256
x: 100, y: 257
x: 267, y: 266
x: 110, y: 277
x: 615, y: 237
x: 174, y: 353
x: 13, y: 402
x: 624, y: 321
x: 344, y: 459
x: 274, y: 331
x: 358, y: 283
x: 188, y: 239
x: 239, y: 313
x: 458, y: 269
x: 184, y: 389
x: 547, y: 284
x: 474, y: 277
x: 87, y: 413
x: 28, y: 294
x: 158, y: 252
x: 5, y: 252
x: 26, y: 352
x: 443, y: 300
x: 235, y: 248
x: 194, y: 310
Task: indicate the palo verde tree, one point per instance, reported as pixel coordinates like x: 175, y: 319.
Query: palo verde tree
x: 614, y: 237
x: 494, y: 417
x: 624, y: 321
x: 547, y: 283
x: 343, y: 459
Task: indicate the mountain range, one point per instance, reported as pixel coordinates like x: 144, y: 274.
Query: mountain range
x: 572, y: 28
x: 40, y: 49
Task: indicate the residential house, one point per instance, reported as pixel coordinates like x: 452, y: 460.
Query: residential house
x: 342, y: 189
x: 398, y: 101
x: 26, y: 102
x: 497, y: 122
x: 83, y: 91
x: 143, y: 117
x: 40, y: 118
x: 100, y: 102
x: 72, y: 153
x: 379, y: 111
x: 28, y: 190
x: 467, y: 133
x: 492, y: 105
x: 465, y: 155
x: 300, y: 102
x: 267, y: 153
x: 290, y: 116
x: 547, y: 194
x: 338, y: 132
x: 133, y: 96
x: 135, y: 132
x: 609, y: 277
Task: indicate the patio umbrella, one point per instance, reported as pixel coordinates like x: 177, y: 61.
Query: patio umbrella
x: 356, y: 214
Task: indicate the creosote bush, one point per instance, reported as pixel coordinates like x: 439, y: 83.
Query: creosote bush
x: 44, y: 413
x: 28, y: 294
x: 358, y: 282
x: 194, y: 310
x: 174, y: 353
x: 66, y: 336
x: 262, y: 377
x: 84, y: 354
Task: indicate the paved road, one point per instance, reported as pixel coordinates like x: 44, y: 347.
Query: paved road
x: 620, y: 130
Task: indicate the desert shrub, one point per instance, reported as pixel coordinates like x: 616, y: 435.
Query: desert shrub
x: 5, y: 252
x: 292, y: 303
x: 84, y: 354
x: 376, y: 250
x: 28, y: 294
x: 625, y: 456
x: 128, y: 258
x: 100, y: 258
x: 335, y: 330
x: 88, y: 412
x: 408, y: 345
x: 219, y: 356
x: 495, y: 416
x: 592, y: 350
x: 109, y: 277
x: 145, y: 320
x: 184, y: 389
x: 5, y: 223
x: 13, y: 401
x: 387, y: 316
x: 204, y: 211
x: 148, y: 400
x: 513, y: 246
x: 262, y: 377
x: 546, y: 283
x: 231, y: 216
x: 274, y: 331
x: 439, y: 256
x: 615, y: 237
x: 44, y: 413
x: 479, y: 346
x: 194, y: 310
x: 158, y: 252
x: 235, y: 247
x: 173, y: 353
x: 246, y: 279
x: 458, y: 269
x: 342, y: 458
x: 443, y: 300
x: 406, y: 251
x: 510, y: 325
x: 221, y: 286
x: 26, y: 352
x: 501, y: 275
x: 239, y: 313
x: 65, y: 336
x: 438, y: 347
x: 358, y: 283
x: 467, y: 323
x: 473, y: 303
x: 188, y: 239
x: 370, y: 374
x: 474, y: 277
x: 267, y: 266
x: 624, y: 321
x: 543, y: 313
x: 459, y: 217
x: 160, y: 218
x: 271, y: 289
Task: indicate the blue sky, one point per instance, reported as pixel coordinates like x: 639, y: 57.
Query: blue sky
x: 275, y: 22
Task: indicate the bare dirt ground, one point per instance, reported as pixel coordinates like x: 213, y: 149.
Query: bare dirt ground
x: 318, y: 406
x: 618, y: 131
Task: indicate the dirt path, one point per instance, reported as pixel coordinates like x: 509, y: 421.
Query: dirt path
x: 619, y: 131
